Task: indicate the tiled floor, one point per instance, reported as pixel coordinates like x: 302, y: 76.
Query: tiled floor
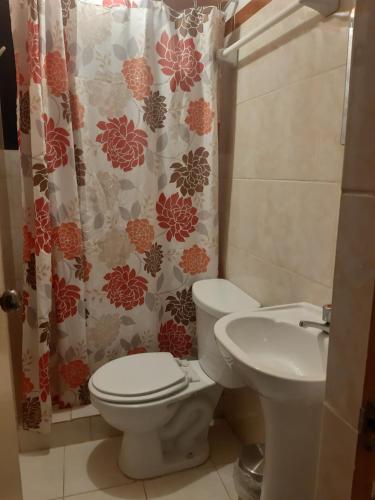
x: 88, y: 471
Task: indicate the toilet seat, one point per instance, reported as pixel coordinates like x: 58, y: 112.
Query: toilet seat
x: 140, y: 378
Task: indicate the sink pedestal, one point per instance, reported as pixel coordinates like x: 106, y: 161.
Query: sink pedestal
x: 292, y: 445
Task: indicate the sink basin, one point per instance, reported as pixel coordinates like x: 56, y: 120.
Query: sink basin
x: 273, y: 353
x: 286, y: 365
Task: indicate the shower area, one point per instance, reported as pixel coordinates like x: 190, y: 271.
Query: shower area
x: 117, y: 131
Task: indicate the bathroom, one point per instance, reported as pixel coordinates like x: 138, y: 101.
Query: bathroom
x: 199, y: 206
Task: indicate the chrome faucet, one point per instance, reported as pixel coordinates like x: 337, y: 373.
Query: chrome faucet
x: 326, y: 326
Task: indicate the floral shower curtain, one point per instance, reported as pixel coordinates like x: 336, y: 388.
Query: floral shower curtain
x: 118, y: 141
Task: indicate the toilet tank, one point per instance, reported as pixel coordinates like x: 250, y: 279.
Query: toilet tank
x: 214, y: 298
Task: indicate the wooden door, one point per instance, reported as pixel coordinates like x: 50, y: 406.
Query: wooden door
x: 364, y: 474
x: 10, y: 478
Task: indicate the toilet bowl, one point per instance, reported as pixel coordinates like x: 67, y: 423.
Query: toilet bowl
x: 164, y: 405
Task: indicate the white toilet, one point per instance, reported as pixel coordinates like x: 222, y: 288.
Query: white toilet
x: 165, y: 405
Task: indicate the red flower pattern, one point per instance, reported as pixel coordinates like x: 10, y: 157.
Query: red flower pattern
x: 174, y: 339
x: 141, y: 233
x: 68, y: 238
x: 78, y: 112
x: 194, y: 260
x: 136, y: 350
x: 122, y: 142
x: 25, y: 303
x: 138, y: 76
x: 56, y: 73
x: 28, y: 243
x: 178, y: 215
x: 180, y: 60
x: 26, y: 386
x: 43, y: 229
x: 125, y: 288
x: 57, y: 143
x: 75, y: 373
x: 65, y: 298
x: 33, y: 52
x: 44, y: 376
x: 124, y: 146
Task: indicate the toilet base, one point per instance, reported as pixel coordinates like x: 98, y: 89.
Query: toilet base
x: 141, y: 456
x: 181, y: 443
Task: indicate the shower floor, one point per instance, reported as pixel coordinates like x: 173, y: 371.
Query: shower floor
x: 88, y: 471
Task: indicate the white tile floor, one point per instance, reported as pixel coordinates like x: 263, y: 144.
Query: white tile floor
x: 88, y: 471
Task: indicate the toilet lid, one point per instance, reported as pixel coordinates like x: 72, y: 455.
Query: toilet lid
x: 140, y: 375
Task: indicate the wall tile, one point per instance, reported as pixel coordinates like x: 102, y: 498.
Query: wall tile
x: 359, y: 169
x: 244, y: 414
x: 290, y: 224
x: 32, y: 441
x: 84, y: 411
x: 100, y: 429
x: 270, y: 284
x: 336, y: 459
x: 293, y: 133
x: 299, y: 47
x: 71, y: 432
x: 353, y: 297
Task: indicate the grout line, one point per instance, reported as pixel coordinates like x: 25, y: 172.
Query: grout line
x: 260, y: 179
x: 223, y: 485
x: 290, y: 84
x: 331, y: 409
x: 64, y: 472
x: 144, y: 490
x: 269, y: 262
x: 100, y: 489
x: 90, y: 429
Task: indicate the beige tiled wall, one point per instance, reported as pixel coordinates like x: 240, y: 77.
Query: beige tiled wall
x: 280, y: 185
x: 354, y: 274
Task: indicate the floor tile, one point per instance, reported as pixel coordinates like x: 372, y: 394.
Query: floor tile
x: 133, y: 491
x: 42, y: 474
x: 201, y: 483
x: 71, y: 432
x: 33, y: 441
x: 92, y: 465
x: 226, y: 475
x: 225, y: 448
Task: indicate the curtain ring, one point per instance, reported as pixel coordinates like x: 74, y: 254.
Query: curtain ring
x: 195, y: 4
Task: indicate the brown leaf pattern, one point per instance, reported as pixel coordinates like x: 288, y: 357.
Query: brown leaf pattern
x: 66, y: 5
x: 193, y: 174
x: 119, y: 172
x: 41, y: 177
x: 181, y: 307
x: 25, y: 112
x: 31, y: 413
x: 80, y: 167
x: 31, y: 272
x: 191, y: 20
x: 153, y: 259
x: 155, y: 110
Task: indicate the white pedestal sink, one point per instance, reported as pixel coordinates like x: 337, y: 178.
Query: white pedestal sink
x: 286, y: 365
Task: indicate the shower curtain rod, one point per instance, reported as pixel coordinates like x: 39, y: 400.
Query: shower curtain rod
x: 324, y: 7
